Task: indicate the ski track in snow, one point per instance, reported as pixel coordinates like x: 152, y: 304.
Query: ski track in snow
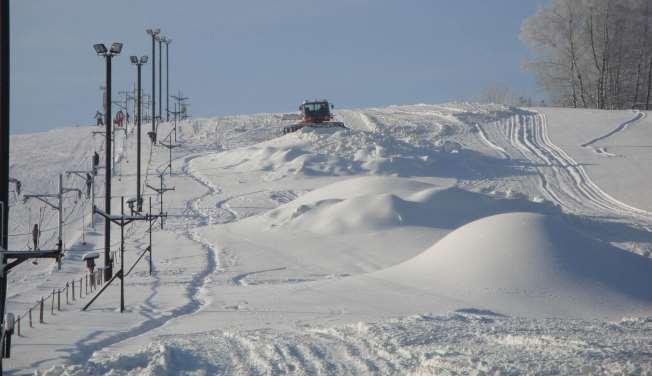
x: 563, y: 180
x: 85, y: 351
x: 483, y: 137
x: 639, y: 116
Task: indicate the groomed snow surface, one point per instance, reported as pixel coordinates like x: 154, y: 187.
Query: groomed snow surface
x: 424, y: 239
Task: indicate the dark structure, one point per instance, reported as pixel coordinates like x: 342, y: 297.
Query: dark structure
x: 4, y: 153
x: 154, y: 33
x: 101, y: 50
x: 167, y: 42
x: 139, y: 104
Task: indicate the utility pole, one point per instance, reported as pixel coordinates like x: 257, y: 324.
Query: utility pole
x: 161, y: 191
x: 123, y: 220
x: 89, y: 180
x: 169, y: 146
x: 126, y: 108
x: 147, y: 100
x: 177, y: 110
x: 181, y: 100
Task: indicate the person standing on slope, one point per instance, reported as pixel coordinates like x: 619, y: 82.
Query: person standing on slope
x: 36, y: 234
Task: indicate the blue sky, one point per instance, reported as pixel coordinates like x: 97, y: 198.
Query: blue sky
x: 234, y: 57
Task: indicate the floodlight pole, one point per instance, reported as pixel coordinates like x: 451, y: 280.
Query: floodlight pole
x: 154, y: 85
x: 115, y: 50
x: 138, y: 62
x: 160, y: 78
x: 167, y: 78
x: 108, y: 269
x: 154, y: 33
x: 139, y: 199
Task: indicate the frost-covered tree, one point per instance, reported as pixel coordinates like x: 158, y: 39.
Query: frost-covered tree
x: 592, y: 53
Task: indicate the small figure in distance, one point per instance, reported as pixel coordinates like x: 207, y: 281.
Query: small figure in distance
x: 35, y: 235
x: 99, y: 118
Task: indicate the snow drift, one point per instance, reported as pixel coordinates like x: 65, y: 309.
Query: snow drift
x: 378, y: 203
x: 531, y: 264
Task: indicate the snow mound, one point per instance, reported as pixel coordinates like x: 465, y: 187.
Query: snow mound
x: 377, y: 203
x: 329, y: 152
x: 530, y: 264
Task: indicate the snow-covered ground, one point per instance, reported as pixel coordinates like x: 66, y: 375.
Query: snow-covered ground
x: 424, y: 239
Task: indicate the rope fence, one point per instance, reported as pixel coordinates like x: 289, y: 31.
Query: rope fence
x: 73, y: 291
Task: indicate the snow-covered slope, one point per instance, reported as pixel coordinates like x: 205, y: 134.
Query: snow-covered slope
x: 452, y: 238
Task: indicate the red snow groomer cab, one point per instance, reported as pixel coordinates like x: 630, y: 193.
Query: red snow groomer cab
x: 316, y: 114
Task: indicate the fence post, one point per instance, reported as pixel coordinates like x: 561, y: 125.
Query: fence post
x: 86, y: 283
x: 80, y: 287
x: 40, y: 314
x: 59, y: 300
x: 30, y: 318
x: 52, y: 306
x: 67, y: 301
x: 73, y: 290
x: 18, y: 325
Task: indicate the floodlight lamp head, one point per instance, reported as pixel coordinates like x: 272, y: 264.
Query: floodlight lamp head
x: 133, y: 59
x: 143, y: 59
x: 100, y: 48
x: 116, y: 48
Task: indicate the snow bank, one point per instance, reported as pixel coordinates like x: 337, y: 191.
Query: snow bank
x: 531, y: 264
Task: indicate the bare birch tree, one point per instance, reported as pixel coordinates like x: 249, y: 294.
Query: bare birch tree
x: 592, y: 53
